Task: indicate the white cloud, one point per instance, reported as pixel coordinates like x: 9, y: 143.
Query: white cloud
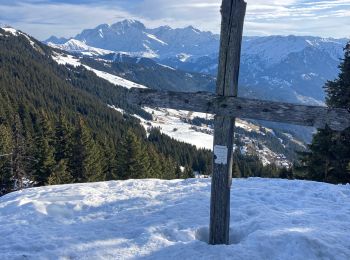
x: 264, y: 17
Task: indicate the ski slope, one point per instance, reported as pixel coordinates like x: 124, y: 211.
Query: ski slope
x: 154, y: 219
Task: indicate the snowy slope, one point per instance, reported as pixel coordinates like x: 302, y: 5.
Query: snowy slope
x: 17, y: 33
x: 153, y: 219
x: 71, y: 60
x: 173, y: 123
x: 170, y: 122
x: 76, y: 46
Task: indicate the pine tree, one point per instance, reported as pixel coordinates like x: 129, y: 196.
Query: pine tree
x: 329, y: 154
x: 188, y: 173
x: 21, y: 161
x: 132, y: 159
x: 63, y: 136
x: 169, y: 169
x: 44, y: 151
x: 60, y: 174
x: 86, y: 156
x: 109, y: 161
x: 178, y: 172
x: 5, y: 159
x: 155, y: 164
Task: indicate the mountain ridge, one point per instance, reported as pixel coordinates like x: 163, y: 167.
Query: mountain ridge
x: 283, y: 68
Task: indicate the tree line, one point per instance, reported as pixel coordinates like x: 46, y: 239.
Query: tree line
x: 61, y: 153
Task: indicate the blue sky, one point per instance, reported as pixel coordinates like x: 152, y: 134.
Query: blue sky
x: 42, y: 18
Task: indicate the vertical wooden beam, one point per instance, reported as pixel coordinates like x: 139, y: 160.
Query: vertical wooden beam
x: 233, y: 13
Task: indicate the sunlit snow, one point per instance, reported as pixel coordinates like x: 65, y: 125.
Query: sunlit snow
x: 71, y: 60
x: 153, y: 219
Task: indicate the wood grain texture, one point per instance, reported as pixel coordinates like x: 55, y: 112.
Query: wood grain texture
x: 314, y: 116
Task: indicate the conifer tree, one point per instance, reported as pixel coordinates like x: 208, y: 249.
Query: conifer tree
x: 169, y: 169
x: 5, y: 159
x: 132, y: 159
x: 63, y: 136
x: 86, y: 156
x: 21, y: 161
x: 109, y: 161
x: 188, y: 173
x: 60, y: 174
x: 178, y: 172
x: 44, y: 151
x: 330, y: 151
x: 155, y: 164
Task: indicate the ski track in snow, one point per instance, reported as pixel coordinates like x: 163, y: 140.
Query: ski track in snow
x: 154, y: 219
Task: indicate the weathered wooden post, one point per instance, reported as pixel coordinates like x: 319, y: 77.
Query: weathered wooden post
x: 226, y: 106
x: 233, y: 13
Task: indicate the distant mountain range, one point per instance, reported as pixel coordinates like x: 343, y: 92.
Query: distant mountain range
x: 289, y: 68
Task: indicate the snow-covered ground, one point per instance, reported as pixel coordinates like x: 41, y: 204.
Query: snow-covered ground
x: 170, y: 123
x: 74, y: 61
x: 153, y: 219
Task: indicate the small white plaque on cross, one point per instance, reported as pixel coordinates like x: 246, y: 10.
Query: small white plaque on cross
x: 220, y: 153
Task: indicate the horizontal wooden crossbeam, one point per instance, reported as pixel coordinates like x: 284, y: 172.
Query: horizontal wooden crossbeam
x: 205, y: 102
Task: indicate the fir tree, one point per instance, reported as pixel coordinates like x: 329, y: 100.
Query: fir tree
x: 21, y: 161
x: 155, y: 164
x: 132, y: 159
x: 63, y: 139
x: 178, y: 172
x: 109, y: 161
x: 44, y: 151
x: 329, y: 154
x: 188, y: 173
x: 5, y: 159
x: 86, y: 156
x: 169, y: 169
x: 60, y: 174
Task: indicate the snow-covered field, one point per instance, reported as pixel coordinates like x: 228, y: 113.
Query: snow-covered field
x: 153, y: 219
x: 169, y: 121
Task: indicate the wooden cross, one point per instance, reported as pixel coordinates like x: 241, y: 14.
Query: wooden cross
x: 227, y: 106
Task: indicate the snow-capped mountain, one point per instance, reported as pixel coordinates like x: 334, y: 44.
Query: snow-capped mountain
x: 188, y: 44
x: 133, y: 37
x: 287, y: 68
x: 76, y: 46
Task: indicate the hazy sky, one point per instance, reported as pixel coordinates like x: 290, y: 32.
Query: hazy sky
x: 42, y: 18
